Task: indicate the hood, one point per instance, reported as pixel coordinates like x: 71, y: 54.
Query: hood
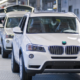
x: 54, y: 39
x: 9, y: 31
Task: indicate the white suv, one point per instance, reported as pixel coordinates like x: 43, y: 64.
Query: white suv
x: 12, y: 19
x: 46, y: 42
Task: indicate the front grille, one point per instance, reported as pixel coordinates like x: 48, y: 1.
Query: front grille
x: 57, y: 50
x: 72, y: 50
x: 63, y: 57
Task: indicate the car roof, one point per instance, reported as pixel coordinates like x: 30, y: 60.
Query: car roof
x: 16, y: 14
x: 61, y: 14
x: 18, y: 5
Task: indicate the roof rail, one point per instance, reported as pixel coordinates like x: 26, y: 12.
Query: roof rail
x: 42, y: 11
x: 71, y: 13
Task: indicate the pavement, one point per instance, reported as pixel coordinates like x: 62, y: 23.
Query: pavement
x: 7, y: 74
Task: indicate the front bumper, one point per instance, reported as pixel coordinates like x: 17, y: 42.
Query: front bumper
x: 8, y: 44
x: 46, y: 62
x: 57, y: 66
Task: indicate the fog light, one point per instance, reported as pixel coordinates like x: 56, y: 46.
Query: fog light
x: 7, y: 41
x: 31, y: 56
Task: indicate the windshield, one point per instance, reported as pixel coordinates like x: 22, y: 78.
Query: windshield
x: 19, y: 8
x: 52, y: 25
x: 1, y: 10
x: 13, y: 22
x: 2, y: 20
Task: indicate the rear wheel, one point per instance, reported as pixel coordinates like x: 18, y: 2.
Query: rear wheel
x: 14, y: 65
x: 3, y: 52
x: 0, y: 50
x: 23, y: 74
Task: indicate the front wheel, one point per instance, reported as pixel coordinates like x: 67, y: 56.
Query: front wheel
x: 14, y: 65
x: 23, y: 74
x: 3, y: 52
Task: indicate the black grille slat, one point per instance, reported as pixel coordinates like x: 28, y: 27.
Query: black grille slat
x: 72, y: 50
x: 57, y: 50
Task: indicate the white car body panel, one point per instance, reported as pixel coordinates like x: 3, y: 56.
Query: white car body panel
x: 21, y: 41
x: 54, y: 39
x: 9, y: 31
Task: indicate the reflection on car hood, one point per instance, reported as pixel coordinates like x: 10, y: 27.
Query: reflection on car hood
x: 54, y: 39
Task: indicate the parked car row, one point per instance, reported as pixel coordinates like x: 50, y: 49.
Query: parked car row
x: 12, y: 20
x: 41, y: 42
x: 13, y: 15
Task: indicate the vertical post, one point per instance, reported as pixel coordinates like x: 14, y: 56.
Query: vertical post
x: 57, y: 4
x: 41, y: 4
x: 28, y: 2
x: 16, y: 1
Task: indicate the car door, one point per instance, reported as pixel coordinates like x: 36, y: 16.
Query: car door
x: 18, y: 38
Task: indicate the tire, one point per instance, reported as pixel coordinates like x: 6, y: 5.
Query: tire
x: 23, y: 74
x: 14, y: 65
x: 3, y: 52
x: 0, y: 50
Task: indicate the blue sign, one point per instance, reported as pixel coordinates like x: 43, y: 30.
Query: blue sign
x: 54, y: 2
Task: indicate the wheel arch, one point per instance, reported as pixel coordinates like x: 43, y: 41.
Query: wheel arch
x: 20, y: 52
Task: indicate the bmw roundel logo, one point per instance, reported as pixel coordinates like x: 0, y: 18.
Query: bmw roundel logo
x: 64, y: 42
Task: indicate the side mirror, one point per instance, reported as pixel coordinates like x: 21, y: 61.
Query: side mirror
x: 17, y: 30
x: 1, y: 26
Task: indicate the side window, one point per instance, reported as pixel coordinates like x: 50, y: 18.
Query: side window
x: 4, y: 22
x: 22, y: 24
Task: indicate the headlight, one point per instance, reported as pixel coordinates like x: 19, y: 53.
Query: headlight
x: 9, y: 36
x: 32, y: 47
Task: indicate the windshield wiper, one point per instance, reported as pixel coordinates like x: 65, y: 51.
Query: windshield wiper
x: 70, y: 32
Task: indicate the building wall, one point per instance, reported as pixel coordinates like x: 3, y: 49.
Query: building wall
x: 64, y: 5
x: 75, y: 6
x: 71, y: 6
x: 44, y: 4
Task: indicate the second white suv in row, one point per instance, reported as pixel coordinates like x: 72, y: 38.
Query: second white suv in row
x: 12, y: 19
x: 46, y: 42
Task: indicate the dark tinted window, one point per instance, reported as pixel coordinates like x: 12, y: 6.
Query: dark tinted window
x: 13, y: 22
x: 51, y: 25
x: 1, y: 10
x: 2, y: 20
x: 22, y: 24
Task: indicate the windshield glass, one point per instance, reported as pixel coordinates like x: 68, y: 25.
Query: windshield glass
x: 52, y: 25
x: 19, y: 8
x: 2, y: 20
x: 1, y: 10
x: 13, y: 22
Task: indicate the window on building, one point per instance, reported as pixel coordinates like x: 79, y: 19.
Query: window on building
x: 49, y: 4
x: 70, y: 8
x: 59, y: 5
x: 76, y: 11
